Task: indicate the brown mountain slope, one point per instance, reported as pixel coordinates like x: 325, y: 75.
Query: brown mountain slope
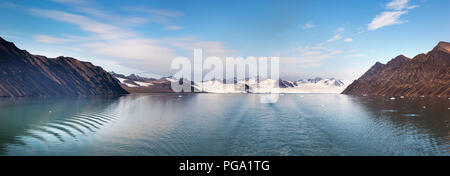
x: 24, y: 74
x: 424, y: 75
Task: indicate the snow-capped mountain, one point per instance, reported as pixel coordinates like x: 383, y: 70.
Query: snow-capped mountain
x: 133, y: 80
x: 319, y: 80
x: 137, y: 84
x: 315, y: 85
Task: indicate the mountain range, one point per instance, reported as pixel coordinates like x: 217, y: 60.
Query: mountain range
x: 424, y: 75
x: 137, y: 84
x: 23, y: 74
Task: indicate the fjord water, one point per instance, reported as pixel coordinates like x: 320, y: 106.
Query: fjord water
x: 225, y: 124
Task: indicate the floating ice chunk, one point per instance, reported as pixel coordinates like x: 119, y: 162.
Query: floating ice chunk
x: 411, y: 115
x: 389, y: 110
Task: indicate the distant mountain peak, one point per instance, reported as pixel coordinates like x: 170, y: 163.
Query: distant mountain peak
x: 2, y: 41
x: 443, y: 46
x: 8, y: 47
x: 398, y: 61
x: 401, y: 57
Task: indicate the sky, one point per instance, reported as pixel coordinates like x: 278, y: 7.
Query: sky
x: 313, y: 38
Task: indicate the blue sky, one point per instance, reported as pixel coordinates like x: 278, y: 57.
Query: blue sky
x: 326, y: 38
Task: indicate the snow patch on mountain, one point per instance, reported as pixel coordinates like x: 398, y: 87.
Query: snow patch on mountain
x: 124, y: 81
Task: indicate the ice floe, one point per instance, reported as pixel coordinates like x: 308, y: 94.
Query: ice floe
x: 411, y: 115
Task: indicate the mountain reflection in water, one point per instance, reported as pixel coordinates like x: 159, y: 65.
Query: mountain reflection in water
x: 224, y: 124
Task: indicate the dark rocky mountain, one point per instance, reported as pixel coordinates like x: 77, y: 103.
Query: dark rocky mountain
x: 132, y: 77
x: 286, y: 84
x: 23, y: 74
x: 424, y: 75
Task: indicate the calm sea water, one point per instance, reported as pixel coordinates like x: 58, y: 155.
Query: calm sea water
x: 229, y: 124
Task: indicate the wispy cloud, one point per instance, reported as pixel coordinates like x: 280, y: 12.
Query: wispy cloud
x: 160, y: 16
x: 309, y: 56
x: 400, y: 5
x: 387, y: 18
x: 335, y: 38
x: 348, y: 40
x: 316, y: 55
x: 114, y: 42
x: 124, y: 45
x: 50, y: 39
x: 305, y: 60
x: 145, y: 14
x: 173, y: 28
x: 113, y: 18
x: 307, y: 25
x: 104, y: 31
x: 140, y: 49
